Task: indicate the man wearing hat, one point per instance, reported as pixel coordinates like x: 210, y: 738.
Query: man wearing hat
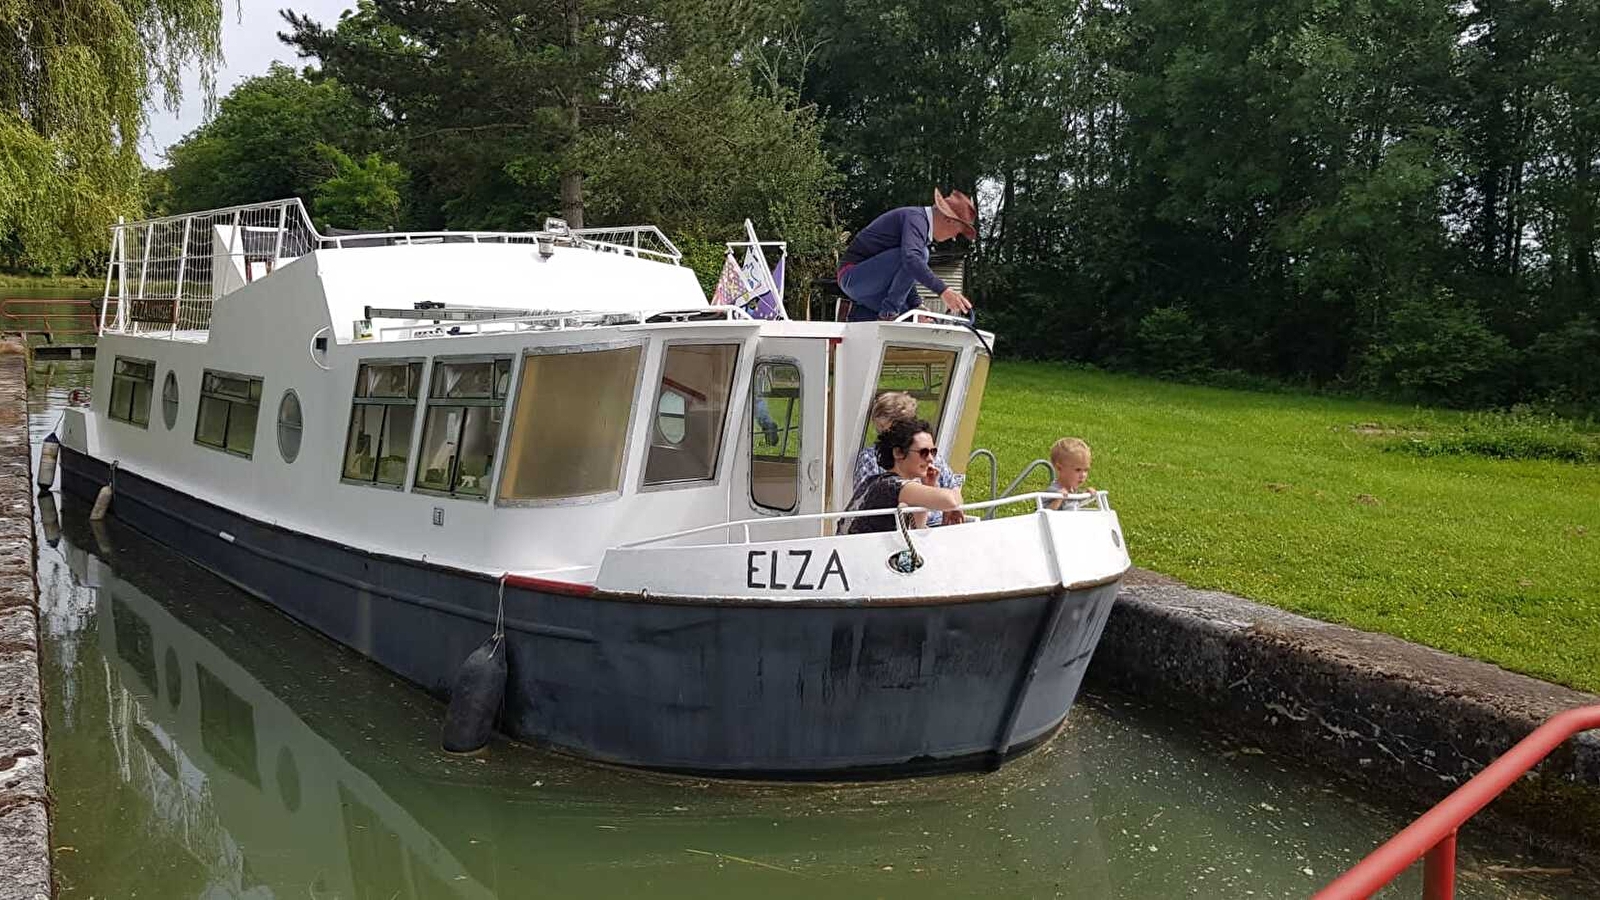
x: 886, y: 260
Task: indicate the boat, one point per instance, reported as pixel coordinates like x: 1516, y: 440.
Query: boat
x: 553, y: 438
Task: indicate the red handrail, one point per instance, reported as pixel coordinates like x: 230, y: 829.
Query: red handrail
x: 1434, y: 834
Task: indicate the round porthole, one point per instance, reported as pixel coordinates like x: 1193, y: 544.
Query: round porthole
x: 169, y: 400
x: 289, y: 426
x: 672, y: 417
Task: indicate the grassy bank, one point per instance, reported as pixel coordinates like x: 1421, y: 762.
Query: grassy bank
x: 1296, y: 501
x: 52, y: 283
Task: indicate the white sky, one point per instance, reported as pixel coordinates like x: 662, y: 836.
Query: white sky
x: 249, y: 44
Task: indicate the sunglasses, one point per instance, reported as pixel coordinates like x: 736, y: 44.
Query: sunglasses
x: 928, y: 452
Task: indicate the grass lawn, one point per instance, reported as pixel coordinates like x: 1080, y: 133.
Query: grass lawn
x: 1292, y: 500
x: 25, y: 283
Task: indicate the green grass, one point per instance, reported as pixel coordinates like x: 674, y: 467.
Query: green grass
x: 51, y: 282
x: 1294, y: 501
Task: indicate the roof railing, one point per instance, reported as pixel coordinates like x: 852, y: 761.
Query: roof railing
x: 165, y: 273
x: 1038, y: 498
x: 439, y: 322
x: 1432, y: 837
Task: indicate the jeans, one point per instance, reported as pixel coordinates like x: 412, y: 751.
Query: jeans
x: 880, y: 286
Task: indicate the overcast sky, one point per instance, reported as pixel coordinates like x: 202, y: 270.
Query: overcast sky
x: 249, y: 44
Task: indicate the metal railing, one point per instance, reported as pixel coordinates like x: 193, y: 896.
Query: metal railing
x: 165, y: 273
x: 1099, y: 499
x: 994, y: 474
x: 1432, y: 838
x: 555, y: 321
x: 49, y: 317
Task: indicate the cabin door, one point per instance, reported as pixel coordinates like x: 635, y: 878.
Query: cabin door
x: 785, y: 439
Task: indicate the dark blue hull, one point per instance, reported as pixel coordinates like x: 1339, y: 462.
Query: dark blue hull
x: 750, y: 689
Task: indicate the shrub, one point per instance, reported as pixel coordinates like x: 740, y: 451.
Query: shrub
x: 1171, y: 344
x: 1438, y: 349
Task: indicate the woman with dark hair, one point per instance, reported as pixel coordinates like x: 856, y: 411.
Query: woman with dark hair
x: 906, y: 452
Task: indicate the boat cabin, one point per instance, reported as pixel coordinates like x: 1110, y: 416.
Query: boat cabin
x: 495, y: 402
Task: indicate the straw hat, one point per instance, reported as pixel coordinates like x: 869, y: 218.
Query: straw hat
x: 958, y: 206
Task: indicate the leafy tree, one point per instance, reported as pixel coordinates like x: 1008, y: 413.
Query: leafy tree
x: 74, y: 81
x: 263, y: 143
x: 493, y: 99
x: 362, y: 194
x: 661, y: 111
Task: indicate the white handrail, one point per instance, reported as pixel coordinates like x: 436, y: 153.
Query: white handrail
x: 911, y: 315
x: 1038, y: 497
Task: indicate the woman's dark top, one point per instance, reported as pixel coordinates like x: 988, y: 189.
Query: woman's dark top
x: 881, y: 491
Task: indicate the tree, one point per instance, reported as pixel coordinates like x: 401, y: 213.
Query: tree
x: 264, y: 142
x: 494, y: 97
x: 361, y: 194
x: 74, y: 81
x: 659, y: 111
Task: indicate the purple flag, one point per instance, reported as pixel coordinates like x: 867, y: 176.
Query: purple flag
x: 768, y: 305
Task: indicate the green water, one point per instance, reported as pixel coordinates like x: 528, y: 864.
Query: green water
x: 203, y: 746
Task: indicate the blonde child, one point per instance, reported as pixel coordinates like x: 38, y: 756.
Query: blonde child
x: 1070, y: 459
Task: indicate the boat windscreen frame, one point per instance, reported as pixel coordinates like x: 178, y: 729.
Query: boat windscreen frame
x: 724, y: 458
x: 864, y: 412
x: 627, y: 474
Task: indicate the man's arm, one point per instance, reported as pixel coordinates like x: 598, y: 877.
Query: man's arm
x: 914, y: 249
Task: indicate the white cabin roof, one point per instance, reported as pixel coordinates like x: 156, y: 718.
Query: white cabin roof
x: 499, y: 276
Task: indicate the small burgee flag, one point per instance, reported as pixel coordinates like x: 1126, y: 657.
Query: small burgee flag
x: 730, y: 285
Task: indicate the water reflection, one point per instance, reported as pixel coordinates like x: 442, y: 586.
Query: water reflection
x: 203, y: 745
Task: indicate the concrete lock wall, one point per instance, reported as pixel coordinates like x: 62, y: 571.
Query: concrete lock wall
x: 24, y: 803
x: 1401, y: 717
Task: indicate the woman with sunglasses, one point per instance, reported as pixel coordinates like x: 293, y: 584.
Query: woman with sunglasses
x: 906, y: 453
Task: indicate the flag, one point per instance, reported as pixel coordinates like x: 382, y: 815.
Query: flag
x: 730, y: 285
x: 754, y: 273
x: 769, y: 305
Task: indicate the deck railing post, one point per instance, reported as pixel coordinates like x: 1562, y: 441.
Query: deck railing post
x: 144, y: 267
x: 183, y: 259
x: 233, y: 236
x: 1439, y: 870
x: 277, y: 246
x: 105, y: 298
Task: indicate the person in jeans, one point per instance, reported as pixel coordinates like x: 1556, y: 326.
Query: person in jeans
x: 890, y: 407
x: 906, y: 453
x: 886, y: 260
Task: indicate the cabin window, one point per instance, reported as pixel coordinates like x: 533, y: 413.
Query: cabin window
x: 461, y: 434
x: 289, y: 426
x: 229, y: 406
x: 169, y: 399
x: 133, y: 381
x: 569, y: 429
x: 775, y: 436
x: 382, y: 414
x: 922, y: 372
x: 691, y: 412
x: 967, y: 427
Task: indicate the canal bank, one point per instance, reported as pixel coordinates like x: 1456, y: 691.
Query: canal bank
x: 24, y: 802
x: 1399, y: 716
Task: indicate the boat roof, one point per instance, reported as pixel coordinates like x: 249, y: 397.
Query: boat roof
x: 166, y: 273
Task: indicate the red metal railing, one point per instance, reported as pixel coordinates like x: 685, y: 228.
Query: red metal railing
x: 49, y: 316
x: 1433, y: 836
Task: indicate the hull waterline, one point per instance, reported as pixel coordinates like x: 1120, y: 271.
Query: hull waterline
x: 758, y: 689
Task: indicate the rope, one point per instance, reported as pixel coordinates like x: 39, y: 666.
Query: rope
x: 909, y: 560
x: 500, y: 614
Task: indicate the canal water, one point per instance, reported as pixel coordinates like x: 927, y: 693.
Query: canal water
x: 201, y: 745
